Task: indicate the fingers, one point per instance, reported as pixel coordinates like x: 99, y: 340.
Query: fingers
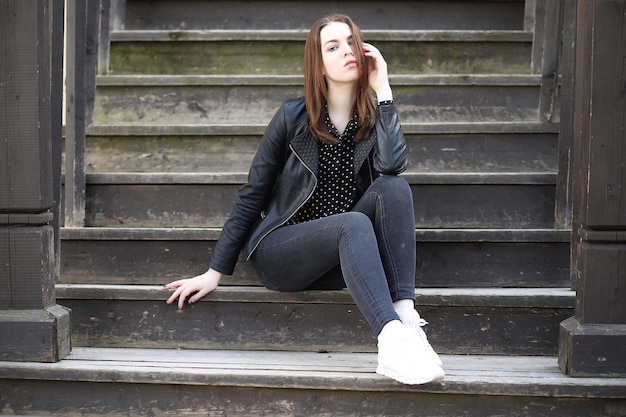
x: 198, y: 295
x: 192, y: 289
x: 371, y: 51
x: 182, y: 291
x: 174, y: 284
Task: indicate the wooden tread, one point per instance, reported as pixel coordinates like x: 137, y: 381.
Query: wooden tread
x: 476, y: 374
x: 196, y: 35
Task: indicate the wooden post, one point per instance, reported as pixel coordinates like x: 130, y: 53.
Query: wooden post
x: 546, y: 57
x: 563, y: 203
x: 592, y: 342
x: 56, y: 102
x: 32, y: 325
x: 75, y: 120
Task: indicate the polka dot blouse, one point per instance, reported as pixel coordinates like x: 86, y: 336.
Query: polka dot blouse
x: 336, y: 186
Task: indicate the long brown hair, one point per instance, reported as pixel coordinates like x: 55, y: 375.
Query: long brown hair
x: 316, y: 89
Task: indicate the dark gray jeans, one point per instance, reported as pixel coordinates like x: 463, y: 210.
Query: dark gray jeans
x: 371, y: 247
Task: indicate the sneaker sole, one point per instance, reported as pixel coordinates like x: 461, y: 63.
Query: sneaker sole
x: 435, y: 377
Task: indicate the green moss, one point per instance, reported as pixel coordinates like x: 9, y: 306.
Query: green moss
x: 285, y: 57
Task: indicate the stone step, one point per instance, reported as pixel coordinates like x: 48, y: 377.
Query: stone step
x: 461, y: 321
x: 255, y: 99
x: 285, y: 14
x: 441, y: 200
x: 445, y: 257
x: 168, y: 382
x: 280, y: 52
x: 475, y: 147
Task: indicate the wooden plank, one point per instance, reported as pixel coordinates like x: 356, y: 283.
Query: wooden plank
x: 493, y: 297
x: 563, y: 203
x: 445, y: 205
x: 607, y: 175
x: 474, y: 15
x: 75, y: 117
x: 57, y: 111
x: 489, y: 375
x: 104, y: 37
x: 471, y: 321
x: 168, y: 400
x: 248, y: 53
x: 25, y: 146
x: 93, y: 13
x: 550, y: 59
x: 525, y: 258
x: 257, y: 129
x: 539, y: 35
x: 592, y: 342
x: 467, y: 152
x: 281, y: 34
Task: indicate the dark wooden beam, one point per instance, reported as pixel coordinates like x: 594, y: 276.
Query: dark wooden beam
x: 76, y: 117
x: 592, y: 342
x: 32, y: 325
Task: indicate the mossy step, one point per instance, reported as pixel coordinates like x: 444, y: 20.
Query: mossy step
x: 248, y: 51
x: 120, y: 148
x: 445, y: 257
x: 232, y: 100
x: 471, y: 321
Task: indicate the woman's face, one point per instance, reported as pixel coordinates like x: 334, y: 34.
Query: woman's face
x: 340, y: 66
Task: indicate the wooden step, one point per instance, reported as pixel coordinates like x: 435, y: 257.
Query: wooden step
x: 229, y: 99
x: 473, y: 147
x: 280, y: 52
x: 285, y: 14
x: 164, y: 382
x: 461, y: 321
x: 446, y: 257
x: 441, y: 200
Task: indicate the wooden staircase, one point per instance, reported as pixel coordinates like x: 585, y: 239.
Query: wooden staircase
x: 177, y: 118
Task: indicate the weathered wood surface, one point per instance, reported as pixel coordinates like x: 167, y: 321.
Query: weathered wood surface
x: 204, y: 200
x: 25, y: 122
x: 563, y: 203
x: 130, y: 382
x: 205, y: 52
x: 515, y: 321
x: 32, y: 326
x: 428, y: 152
x: 474, y: 15
x: 592, y: 342
x: 229, y: 100
x: 76, y: 116
x: 477, y: 374
x: 446, y: 258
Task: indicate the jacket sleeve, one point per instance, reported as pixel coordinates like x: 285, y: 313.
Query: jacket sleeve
x: 390, y: 155
x: 253, y: 196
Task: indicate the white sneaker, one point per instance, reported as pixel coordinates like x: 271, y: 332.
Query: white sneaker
x: 412, y: 318
x: 400, y: 358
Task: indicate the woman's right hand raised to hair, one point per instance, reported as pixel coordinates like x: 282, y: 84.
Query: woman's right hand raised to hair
x: 377, y: 72
x: 193, y: 288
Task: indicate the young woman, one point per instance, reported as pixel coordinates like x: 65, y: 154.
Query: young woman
x: 323, y: 196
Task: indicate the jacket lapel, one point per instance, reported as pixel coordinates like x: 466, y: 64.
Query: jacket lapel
x: 307, y: 149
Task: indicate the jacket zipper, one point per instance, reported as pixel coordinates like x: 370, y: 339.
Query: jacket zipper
x: 297, y: 208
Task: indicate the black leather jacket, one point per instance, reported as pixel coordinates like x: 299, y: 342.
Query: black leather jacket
x: 283, y: 176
